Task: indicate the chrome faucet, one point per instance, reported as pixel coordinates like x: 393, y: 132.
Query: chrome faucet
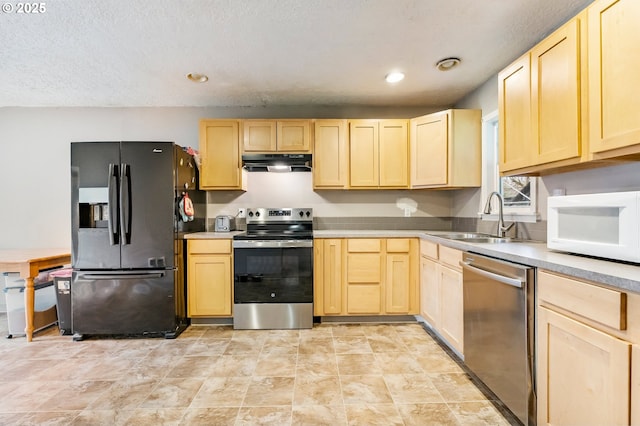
x: 502, y: 230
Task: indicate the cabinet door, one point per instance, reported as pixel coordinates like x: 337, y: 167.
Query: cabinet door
x: 398, y: 283
x: 451, y: 307
x: 394, y: 153
x: 259, y: 136
x: 221, y: 166
x: 401, y: 282
x: 209, y: 285
x: 330, y: 156
x: 318, y: 276
x: 514, y: 107
x: 429, y: 152
x: 363, y: 153
x: 635, y: 385
x: 294, y: 136
x: 583, y: 374
x: 328, y: 296
x: 614, y: 74
x: 555, y: 96
x: 429, y: 292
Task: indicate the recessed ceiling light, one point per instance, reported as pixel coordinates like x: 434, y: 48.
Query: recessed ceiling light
x: 447, y: 63
x: 197, y: 78
x: 394, y: 77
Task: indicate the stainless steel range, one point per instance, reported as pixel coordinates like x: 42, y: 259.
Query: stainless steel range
x: 273, y: 270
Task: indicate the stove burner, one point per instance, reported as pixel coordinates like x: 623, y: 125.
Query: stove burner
x: 278, y: 224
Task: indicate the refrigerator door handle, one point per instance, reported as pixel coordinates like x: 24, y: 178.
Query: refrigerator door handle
x: 113, y: 205
x: 125, y: 203
x: 132, y: 276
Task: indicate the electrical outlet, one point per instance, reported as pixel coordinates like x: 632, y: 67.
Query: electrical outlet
x: 242, y: 213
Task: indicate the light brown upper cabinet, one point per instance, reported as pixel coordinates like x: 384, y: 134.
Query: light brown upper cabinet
x: 330, y: 154
x: 614, y: 78
x: 574, y: 99
x: 446, y: 149
x: 540, y: 105
x: 221, y: 165
x: 555, y: 95
x: 514, y: 112
x: 277, y: 135
x: 378, y: 154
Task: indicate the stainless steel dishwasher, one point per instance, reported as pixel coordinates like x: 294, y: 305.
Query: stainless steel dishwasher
x: 499, y: 330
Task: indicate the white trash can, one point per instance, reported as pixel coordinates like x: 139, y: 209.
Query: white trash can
x: 44, y: 305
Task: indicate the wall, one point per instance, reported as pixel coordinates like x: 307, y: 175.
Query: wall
x: 34, y: 163
x: 466, y: 202
x: 368, y: 209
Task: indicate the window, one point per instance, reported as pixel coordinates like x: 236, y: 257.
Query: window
x: 519, y: 192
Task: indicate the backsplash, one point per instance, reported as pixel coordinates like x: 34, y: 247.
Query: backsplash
x: 381, y: 223
x: 531, y: 231
x: 364, y: 223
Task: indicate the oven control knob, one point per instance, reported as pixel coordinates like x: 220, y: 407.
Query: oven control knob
x: 250, y: 214
x: 301, y: 214
x: 273, y: 295
x: 257, y: 214
x: 308, y: 213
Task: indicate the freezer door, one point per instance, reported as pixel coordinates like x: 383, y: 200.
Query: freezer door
x: 123, y: 303
x: 95, y: 168
x: 147, y: 204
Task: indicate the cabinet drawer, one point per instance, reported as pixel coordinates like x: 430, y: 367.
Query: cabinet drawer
x: 209, y: 246
x: 450, y: 257
x: 363, y: 245
x: 398, y: 245
x: 605, y: 306
x: 429, y: 249
x: 363, y: 299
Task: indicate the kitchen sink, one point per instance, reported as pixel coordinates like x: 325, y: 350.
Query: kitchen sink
x: 480, y: 238
x: 492, y: 240
x: 463, y: 235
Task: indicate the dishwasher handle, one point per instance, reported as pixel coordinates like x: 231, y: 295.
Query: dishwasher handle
x: 515, y: 282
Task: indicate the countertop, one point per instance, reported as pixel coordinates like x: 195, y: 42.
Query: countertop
x: 622, y: 276
x: 211, y: 235
x: 618, y: 275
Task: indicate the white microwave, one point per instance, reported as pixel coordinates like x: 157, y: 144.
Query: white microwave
x: 603, y: 225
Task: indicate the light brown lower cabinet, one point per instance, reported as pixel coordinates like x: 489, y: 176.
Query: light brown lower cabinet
x: 365, y: 276
x: 635, y: 385
x: 400, y: 262
x: 587, y: 353
x: 441, y: 296
x: 209, y: 278
x: 363, y: 263
x: 328, y: 274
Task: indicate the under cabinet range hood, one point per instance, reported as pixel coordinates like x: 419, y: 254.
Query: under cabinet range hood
x: 276, y: 162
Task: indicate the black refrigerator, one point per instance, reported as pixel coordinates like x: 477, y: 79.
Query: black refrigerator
x: 130, y: 209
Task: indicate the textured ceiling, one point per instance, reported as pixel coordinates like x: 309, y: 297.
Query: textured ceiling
x: 263, y: 52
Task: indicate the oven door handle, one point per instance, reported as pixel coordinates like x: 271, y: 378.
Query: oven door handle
x: 496, y: 277
x: 272, y: 244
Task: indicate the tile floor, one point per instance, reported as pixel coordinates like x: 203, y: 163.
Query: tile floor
x: 392, y: 374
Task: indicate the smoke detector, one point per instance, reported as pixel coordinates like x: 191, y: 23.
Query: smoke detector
x: 447, y: 63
